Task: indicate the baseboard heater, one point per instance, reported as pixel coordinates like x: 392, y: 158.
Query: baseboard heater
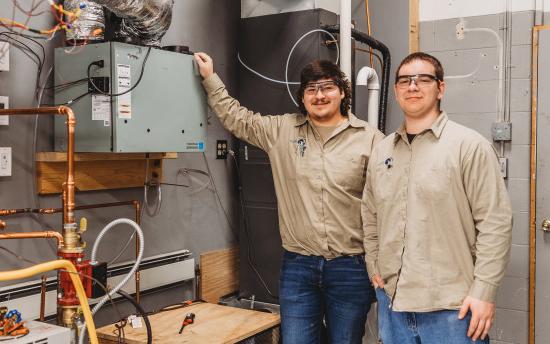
x: 155, y: 272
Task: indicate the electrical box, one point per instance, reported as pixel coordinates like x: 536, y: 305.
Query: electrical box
x: 502, y: 131
x: 5, y: 161
x: 4, y: 56
x: 44, y: 333
x: 155, y: 101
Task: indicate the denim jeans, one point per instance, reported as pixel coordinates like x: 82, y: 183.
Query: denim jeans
x: 313, y: 289
x: 439, y: 327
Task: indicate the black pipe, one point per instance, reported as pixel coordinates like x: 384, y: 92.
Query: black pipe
x: 386, y: 58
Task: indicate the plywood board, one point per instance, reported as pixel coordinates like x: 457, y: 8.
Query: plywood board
x: 98, y: 171
x: 214, y: 324
x: 219, y: 274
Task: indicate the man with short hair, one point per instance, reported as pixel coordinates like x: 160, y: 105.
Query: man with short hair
x: 318, y: 158
x: 437, y: 219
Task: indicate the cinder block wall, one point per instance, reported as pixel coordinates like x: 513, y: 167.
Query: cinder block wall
x: 472, y: 101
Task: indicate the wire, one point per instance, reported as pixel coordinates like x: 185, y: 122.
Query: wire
x: 378, y: 57
x: 263, y: 76
x: 292, y: 50
x: 246, y: 231
x: 235, y: 234
x: 141, y: 311
x: 128, y: 90
x: 72, y: 101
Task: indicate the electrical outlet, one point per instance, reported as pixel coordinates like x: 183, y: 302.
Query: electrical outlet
x: 221, y: 149
x: 4, y: 104
x: 5, y: 161
x: 4, y: 56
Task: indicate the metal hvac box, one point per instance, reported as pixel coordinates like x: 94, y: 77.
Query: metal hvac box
x: 165, y: 112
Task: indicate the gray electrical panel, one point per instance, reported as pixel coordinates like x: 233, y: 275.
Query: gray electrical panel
x: 165, y: 112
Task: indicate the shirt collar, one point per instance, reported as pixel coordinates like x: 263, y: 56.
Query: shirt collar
x: 352, y: 119
x: 436, y: 128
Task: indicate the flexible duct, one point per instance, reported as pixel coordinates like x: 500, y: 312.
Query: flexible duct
x: 386, y: 61
x: 93, y: 260
x: 89, y: 25
x: 143, y: 20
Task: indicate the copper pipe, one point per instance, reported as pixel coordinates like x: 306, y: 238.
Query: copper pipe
x: 137, y: 275
x: 2, y: 225
x: 68, y: 186
x: 34, y: 235
x: 49, y: 211
x: 43, y: 298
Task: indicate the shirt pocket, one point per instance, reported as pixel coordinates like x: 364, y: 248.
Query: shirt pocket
x: 349, y: 172
x: 384, y: 187
x: 433, y: 182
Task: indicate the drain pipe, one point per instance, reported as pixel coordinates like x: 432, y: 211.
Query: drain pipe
x: 367, y: 77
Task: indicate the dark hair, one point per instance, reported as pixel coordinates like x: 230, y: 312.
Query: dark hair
x: 439, y: 73
x: 323, y: 69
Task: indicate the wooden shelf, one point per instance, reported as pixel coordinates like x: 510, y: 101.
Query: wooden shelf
x: 98, y: 171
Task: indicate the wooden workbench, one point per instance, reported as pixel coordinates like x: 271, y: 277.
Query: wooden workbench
x: 213, y: 324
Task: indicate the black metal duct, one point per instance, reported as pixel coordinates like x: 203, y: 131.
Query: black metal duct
x: 386, y: 61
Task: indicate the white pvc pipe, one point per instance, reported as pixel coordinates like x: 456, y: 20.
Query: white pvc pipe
x: 345, y: 37
x: 367, y: 77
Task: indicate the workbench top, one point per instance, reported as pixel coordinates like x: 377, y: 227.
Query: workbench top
x: 213, y: 324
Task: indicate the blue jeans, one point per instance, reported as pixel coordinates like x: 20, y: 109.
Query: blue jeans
x: 313, y: 288
x: 439, y: 327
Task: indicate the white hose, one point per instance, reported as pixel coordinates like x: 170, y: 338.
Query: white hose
x: 127, y: 277
x: 292, y: 50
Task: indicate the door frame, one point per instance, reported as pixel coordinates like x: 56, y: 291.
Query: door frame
x: 533, y: 180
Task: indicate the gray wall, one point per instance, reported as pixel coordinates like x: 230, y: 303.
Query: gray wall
x: 389, y: 25
x: 473, y: 102
x: 186, y: 221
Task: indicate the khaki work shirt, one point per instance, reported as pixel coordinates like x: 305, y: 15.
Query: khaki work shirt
x: 437, y: 217
x: 318, y: 186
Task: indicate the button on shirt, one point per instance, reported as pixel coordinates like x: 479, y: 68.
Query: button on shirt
x: 437, y: 217
x: 318, y: 185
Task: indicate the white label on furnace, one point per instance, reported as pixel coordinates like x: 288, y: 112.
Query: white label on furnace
x: 124, y: 83
x: 101, y: 107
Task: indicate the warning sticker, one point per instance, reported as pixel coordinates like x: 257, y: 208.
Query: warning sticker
x: 101, y: 107
x: 124, y: 83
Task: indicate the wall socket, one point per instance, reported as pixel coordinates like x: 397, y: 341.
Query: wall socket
x: 4, y: 104
x: 5, y: 161
x: 4, y: 57
x: 221, y: 149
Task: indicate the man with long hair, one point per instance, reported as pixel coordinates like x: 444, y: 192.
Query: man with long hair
x: 318, y: 158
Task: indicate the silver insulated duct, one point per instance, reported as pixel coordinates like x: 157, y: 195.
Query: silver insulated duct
x: 89, y: 26
x: 146, y: 20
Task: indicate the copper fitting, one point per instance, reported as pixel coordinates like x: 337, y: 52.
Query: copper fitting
x: 2, y: 225
x: 34, y: 235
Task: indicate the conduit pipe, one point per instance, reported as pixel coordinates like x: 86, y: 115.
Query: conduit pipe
x: 345, y: 38
x: 367, y: 77
x: 58, y: 265
x: 134, y: 268
x: 386, y: 61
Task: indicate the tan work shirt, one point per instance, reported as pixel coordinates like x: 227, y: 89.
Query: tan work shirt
x: 318, y: 185
x: 437, y: 217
